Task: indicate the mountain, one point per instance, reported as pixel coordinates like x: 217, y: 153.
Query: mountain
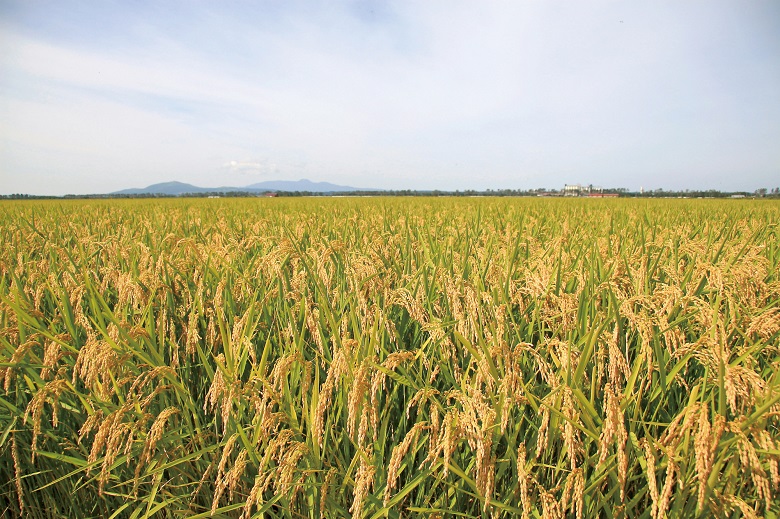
x: 165, y: 188
x: 301, y: 185
x: 180, y: 188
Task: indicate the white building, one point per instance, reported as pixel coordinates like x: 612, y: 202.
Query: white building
x: 580, y: 190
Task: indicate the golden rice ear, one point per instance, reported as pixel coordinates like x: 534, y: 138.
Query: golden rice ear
x: 359, y: 388
x: 523, y: 480
x: 223, y: 478
x: 155, y: 433
x: 562, y: 357
x: 325, y: 490
x: 652, y: 484
x: 364, y: 479
x: 17, y: 472
x: 397, y: 456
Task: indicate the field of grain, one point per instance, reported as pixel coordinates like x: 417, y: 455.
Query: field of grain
x: 389, y: 358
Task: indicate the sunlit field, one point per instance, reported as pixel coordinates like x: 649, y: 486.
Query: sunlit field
x: 389, y: 358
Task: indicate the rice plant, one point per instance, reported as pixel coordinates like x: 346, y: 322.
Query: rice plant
x: 389, y: 358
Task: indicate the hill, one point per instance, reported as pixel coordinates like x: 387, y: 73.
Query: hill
x: 181, y: 188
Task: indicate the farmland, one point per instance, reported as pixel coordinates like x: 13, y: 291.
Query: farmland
x: 390, y: 358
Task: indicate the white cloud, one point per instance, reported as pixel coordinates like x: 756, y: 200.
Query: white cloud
x: 253, y: 168
x: 416, y: 94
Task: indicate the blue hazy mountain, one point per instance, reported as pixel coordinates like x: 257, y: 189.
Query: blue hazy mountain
x: 164, y: 188
x: 301, y: 185
x: 180, y: 188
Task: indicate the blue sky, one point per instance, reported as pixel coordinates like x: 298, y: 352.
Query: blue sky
x: 101, y: 96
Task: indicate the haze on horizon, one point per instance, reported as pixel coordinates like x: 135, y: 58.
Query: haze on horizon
x: 100, y: 96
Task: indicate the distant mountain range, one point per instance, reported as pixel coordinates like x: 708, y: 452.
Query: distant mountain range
x: 180, y: 188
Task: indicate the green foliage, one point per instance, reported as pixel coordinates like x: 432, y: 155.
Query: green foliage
x: 389, y: 358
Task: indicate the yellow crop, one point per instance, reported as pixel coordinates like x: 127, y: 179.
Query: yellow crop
x: 389, y: 358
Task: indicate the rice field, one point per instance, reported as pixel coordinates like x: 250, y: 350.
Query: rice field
x: 390, y: 358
